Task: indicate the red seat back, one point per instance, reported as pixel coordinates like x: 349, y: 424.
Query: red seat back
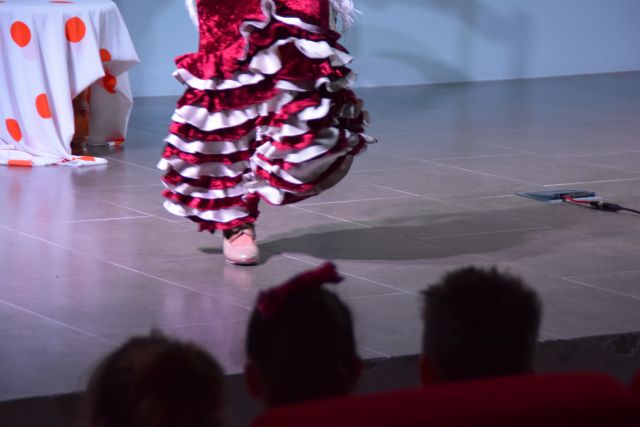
x: 635, y: 383
x: 528, y: 400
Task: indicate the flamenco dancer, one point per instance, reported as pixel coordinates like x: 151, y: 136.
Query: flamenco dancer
x: 267, y: 114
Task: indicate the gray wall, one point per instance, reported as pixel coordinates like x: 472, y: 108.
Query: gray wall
x: 401, y: 42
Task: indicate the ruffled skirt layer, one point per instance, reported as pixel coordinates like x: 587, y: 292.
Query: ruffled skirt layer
x: 281, y: 123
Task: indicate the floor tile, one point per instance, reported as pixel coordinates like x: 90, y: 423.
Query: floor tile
x: 30, y: 203
x: 418, y: 218
x: 26, y: 258
x: 144, y: 157
x: 224, y: 340
x: 542, y: 169
x: 548, y: 250
x: 144, y: 139
x: 458, y: 143
x: 144, y: 200
x: 582, y: 311
x: 128, y: 241
x: 372, y: 159
x: 213, y: 276
x: 569, y: 140
x: 14, y: 319
x: 89, y: 180
x: 627, y: 161
x: 47, y: 361
x: 335, y: 240
x: 622, y: 228
x: 353, y: 188
x: 444, y: 182
x: 117, y: 301
x: 389, y: 325
x: 622, y: 282
x: 410, y: 270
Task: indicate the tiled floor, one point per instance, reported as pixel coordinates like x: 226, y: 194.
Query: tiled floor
x: 89, y: 257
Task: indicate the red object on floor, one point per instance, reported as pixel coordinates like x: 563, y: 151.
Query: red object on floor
x: 81, y: 115
x: 585, y: 399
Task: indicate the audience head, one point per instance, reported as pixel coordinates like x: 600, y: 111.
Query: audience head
x: 154, y: 381
x: 300, y: 342
x: 478, y: 323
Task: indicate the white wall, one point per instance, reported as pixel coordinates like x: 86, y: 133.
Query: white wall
x: 399, y: 42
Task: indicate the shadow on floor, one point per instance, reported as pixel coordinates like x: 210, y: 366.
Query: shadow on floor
x: 395, y: 239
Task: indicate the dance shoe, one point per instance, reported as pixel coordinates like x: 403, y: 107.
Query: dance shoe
x: 240, y: 247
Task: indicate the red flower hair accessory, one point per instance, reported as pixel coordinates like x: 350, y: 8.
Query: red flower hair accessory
x: 270, y: 301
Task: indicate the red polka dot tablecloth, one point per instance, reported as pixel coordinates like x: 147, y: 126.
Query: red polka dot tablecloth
x: 50, y: 52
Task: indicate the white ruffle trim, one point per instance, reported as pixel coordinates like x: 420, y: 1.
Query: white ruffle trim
x: 206, y: 121
x: 267, y: 61
x: 217, y: 147
x: 300, y: 157
x: 275, y: 196
x: 302, y: 173
x: 325, y: 141
x: 296, y: 124
x: 239, y: 80
x: 246, y: 79
x: 310, y: 163
x: 213, y: 169
x: 269, y: 11
x: 310, y: 85
x: 218, y: 215
x: 207, y: 193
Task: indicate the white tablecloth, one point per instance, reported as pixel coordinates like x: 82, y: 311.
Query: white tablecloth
x: 51, y: 51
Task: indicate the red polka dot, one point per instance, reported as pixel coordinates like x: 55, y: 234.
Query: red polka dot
x: 21, y: 163
x: 105, y: 55
x: 14, y: 129
x: 109, y: 82
x: 75, y: 30
x: 42, y: 105
x: 20, y: 33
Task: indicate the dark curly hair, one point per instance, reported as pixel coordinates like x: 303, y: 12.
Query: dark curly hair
x: 480, y: 323
x: 155, y: 381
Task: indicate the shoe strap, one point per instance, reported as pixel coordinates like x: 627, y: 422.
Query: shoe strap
x: 247, y: 231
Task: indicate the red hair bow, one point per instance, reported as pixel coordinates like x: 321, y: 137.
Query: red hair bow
x: 270, y: 301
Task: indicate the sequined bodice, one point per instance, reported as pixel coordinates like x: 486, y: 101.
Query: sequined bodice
x: 220, y: 20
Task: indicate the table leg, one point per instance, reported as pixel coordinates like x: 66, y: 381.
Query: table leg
x: 81, y: 115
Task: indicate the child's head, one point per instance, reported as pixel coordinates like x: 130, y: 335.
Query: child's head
x: 154, y: 381
x: 300, y: 342
x: 478, y: 323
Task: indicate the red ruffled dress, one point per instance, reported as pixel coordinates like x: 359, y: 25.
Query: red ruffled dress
x: 268, y: 113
